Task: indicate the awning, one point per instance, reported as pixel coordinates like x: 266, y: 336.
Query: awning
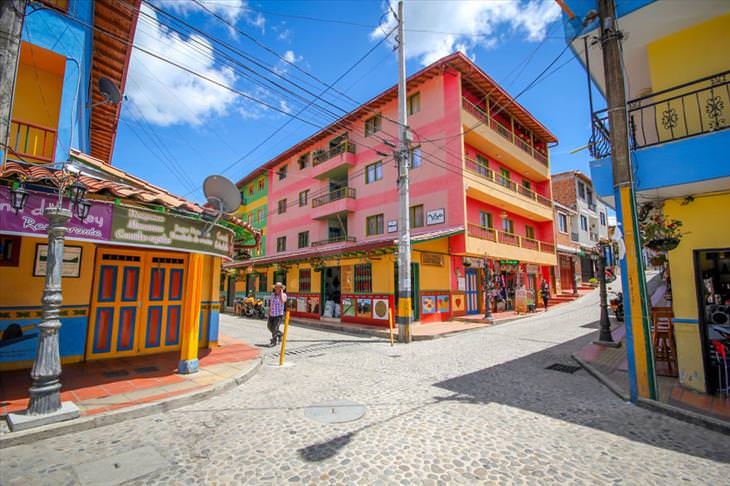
x: 568, y: 249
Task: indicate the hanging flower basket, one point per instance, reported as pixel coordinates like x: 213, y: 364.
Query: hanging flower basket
x: 663, y: 244
x: 659, y: 233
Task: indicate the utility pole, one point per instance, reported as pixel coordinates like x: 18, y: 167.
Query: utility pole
x: 12, y: 13
x: 403, y: 158
x: 641, y: 362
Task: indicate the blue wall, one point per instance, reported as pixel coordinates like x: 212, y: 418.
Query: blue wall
x: 72, y: 337
x: 685, y: 161
x: 581, y: 8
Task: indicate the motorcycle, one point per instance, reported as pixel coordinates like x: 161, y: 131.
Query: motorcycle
x: 617, y: 306
x: 253, y: 307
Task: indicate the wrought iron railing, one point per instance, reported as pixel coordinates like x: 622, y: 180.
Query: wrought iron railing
x: 28, y: 140
x: 688, y: 110
x: 325, y: 155
x: 485, y: 172
x: 335, y: 239
x: 336, y: 195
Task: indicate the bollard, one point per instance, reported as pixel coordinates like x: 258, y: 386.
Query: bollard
x: 283, y: 339
x: 390, y: 324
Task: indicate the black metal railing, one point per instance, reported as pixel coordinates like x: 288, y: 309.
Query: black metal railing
x: 334, y: 239
x: 335, y: 195
x: 688, y: 110
x: 324, y: 155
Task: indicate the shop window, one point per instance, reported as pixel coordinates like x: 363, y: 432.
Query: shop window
x: 364, y: 278
x: 562, y: 223
x: 416, y: 158
x: 282, y: 173
x: 529, y: 232
x: 303, y: 239
x: 263, y: 282
x: 9, y: 251
x: 280, y: 276
x: 373, y: 125
x: 282, y: 206
x: 303, y: 161
x: 485, y: 219
x: 303, y: 198
x: 414, y: 103
x: 373, y: 172
x: 305, y: 280
x: 374, y: 225
x: 281, y: 243
x: 416, y: 216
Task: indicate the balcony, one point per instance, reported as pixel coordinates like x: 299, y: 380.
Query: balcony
x: 694, y: 116
x: 337, y: 239
x: 483, y: 184
x: 32, y: 142
x: 336, y: 202
x: 333, y: 162
x: 500, y: 244
x: 504, y: 142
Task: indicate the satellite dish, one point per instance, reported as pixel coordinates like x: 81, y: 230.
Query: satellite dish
x: 221, y: 193
x: 109, y: 91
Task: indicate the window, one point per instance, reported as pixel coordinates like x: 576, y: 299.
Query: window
x: 303, y: 161
x: 260, y: 214
x: 262, y: 183
x: 281, y: 243
x: 603, y: 219
x: 303, y: 198
x: 364, y: 278
x: 303, y: 239
x: 416, y: 159
x: 589, y: 195
x: 504, y: 177
x: 583, y: 223
x: 250, y: 190
x: 526, y: 184
x: 416, y: 216
x: 373, y: 172
x: 250, y: 218
x: 263, y: 285
x: 482, y: 165
x: 373, y: 125
x: 282, y: 172
x: 280, y: 276
x: 581, y: 190
x: 562, y: 223
x: 485, y: 219
x: 9, y: 251
x: 529, y: 232
x: 305, y: 280
x: 508, y: 226
x: 282, y: 206
x: 374, y: 225
x: 414, y: 103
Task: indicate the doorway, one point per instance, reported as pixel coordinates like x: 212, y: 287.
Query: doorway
x: 331, y: 290
x: 566, y: 274
x: 472, y: 291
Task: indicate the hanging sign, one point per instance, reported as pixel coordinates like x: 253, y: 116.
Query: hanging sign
x: 31, y: 221
x: 437, y: 216
x: 147, y: 228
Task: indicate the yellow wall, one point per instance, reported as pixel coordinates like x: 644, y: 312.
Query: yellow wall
x: 434, y: 277
x: 18, y: 286
x: 700, y: 50
x: 706, y: 220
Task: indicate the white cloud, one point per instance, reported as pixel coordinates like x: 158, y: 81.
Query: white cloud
x: 231, y: 10
x: 436, y: 29
x: 289, y: 56
x: 167, y: 95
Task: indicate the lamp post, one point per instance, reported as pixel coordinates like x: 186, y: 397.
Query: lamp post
x: 488, y: 288
x: 605, y: 338
x: 45, y: 404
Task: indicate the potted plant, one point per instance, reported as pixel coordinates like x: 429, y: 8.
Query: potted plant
x: 659, y: 233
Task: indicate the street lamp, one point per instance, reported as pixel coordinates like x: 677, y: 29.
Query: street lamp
x: 488, y: 288
x: 605, y: 338
x: 45, y: 404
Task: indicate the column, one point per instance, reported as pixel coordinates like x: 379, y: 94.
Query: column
x: 191, y: 315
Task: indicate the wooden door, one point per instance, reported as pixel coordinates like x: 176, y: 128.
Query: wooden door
x: 163, y: 302
x: 566, y: 274
x: 472, y: 291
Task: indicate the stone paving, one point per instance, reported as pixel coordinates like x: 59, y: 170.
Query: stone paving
x: 479, y: 407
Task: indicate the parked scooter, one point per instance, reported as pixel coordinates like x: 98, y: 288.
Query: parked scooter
x: 617, y: 306
x: 253, y: 307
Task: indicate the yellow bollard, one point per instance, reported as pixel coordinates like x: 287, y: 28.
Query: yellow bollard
x: 283, y: 339
x: 390, y: 323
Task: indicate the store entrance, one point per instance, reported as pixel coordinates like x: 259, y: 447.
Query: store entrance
x: 331, y: 291
x: 713, y: 284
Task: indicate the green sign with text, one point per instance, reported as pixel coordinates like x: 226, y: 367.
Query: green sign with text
x: 146, y: 228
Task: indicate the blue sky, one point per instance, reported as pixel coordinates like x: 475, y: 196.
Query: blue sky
x: 176, y: 129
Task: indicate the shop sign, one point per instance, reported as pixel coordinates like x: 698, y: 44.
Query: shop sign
x: 97, y: 226
x: 140, y: 227
x: 392, y: 226
x: 437, y: 216
x: 531, y: 268
x: 433, y: 259
x: 509, y: 262
x: 473, y: 262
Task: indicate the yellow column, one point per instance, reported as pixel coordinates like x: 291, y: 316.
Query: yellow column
x: 191, y: 315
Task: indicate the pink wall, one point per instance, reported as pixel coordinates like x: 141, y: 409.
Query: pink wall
x: 543, y: 229
x: 436, y: 184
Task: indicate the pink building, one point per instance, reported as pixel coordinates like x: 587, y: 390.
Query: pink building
x: 479, y: 186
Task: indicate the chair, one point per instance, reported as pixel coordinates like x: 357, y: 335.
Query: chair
x: 665, y: 347
x: 720, y: 359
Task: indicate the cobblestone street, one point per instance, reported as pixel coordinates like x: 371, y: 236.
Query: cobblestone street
x: 478, y: 407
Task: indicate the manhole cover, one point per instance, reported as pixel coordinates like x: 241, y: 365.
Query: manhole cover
x: 563, y: 368
x: 335, y: 412
x: 120, y: 467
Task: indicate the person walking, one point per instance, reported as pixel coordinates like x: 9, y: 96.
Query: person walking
x: 545, y: 293
x: 276, y: 312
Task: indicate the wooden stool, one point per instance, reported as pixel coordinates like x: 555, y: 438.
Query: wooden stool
x: 665, y: 347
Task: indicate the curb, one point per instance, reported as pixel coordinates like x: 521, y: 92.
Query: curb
x: 12, y: 439
x: 656, y: 406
